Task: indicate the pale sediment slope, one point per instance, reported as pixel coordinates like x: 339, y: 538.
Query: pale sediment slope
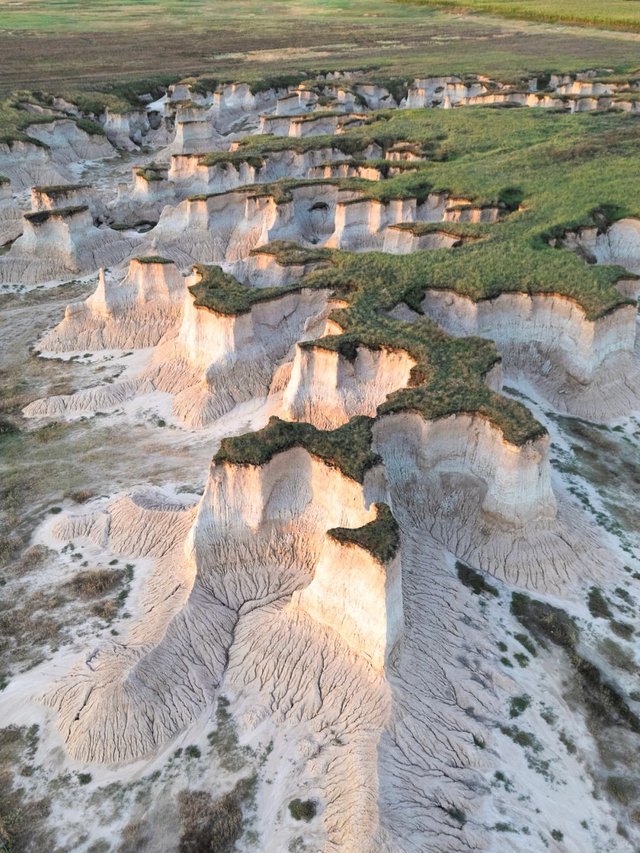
x: 359, y: 595
x: 59, y: 147
x: 488, y: 501
x: 327, y: 388
x: 212, y: 362
x: 26, y: 164
x: 10, y: 215
x: 133, y: 312
x: 618, y: 244
x: 59, y: 244
x: 584, y: 367
x: 257, y: 537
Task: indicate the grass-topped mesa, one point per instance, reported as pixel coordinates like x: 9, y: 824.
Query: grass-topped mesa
x: 220, y: 292
x: 347, y: 448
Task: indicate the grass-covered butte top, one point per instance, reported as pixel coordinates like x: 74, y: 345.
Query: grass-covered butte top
x: 152, y: 173
x: 221, y: 293
x: 60, y: 189
x: 550, y: 172
x: 449, y: 376
x: 153, y: 259
x: 347, y: 448
x: 38, y: 217
x: 380, y: 537
x: 555, y: 172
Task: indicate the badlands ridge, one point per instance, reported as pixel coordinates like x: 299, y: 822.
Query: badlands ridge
x: 321, y: 252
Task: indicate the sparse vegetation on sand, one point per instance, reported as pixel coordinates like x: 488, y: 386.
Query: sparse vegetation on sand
x: 604, y: 703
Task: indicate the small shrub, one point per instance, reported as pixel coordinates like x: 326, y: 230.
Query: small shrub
x: 617, y: 656
x: 84, y: 778
x: 597, y: 603
x: 557, y: 835
x: 519, y: 705
x: 568, y: 743
x: 81, y: 496
x: 94, y: 583
x: 622, y: 789
x: 474, y: 580
x: 522, y: 659
x: 192, y: 751
x: 527, y: 642
x: 622, y: 629
x: 527, y: 740
x: 303, y: 809
x: 457, y: 814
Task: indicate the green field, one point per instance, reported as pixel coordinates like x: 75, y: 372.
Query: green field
x: 58, y: 44
x: 616, y: 14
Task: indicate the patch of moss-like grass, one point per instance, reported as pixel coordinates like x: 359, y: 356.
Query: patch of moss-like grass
x: 153, y: 259
x: 380, y: 537
x: 597, y: 603
x: 348, y: 448
x: 14, y: 120
x: 220, y: 292
x: 93, y: 128
x: 38, y: 217
x: 152, y: 173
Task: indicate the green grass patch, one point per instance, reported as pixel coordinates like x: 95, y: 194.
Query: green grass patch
x: 614, y: 14
x: 380, y: 537
x: 38, y: 217
x: 347, y: 448
x: 153, y: 259
x: 221, y: 292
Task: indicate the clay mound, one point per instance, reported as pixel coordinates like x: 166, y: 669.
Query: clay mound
x: 256, y: 538
x: 26, y: 164
x: 209, y: 363
x: 489, y: 502
x: 583, y: 367
x: 59, y: 244
x: 69, y: 143
x: 327, y: 389
x: 132, y: 313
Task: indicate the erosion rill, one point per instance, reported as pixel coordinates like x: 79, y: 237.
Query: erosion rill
x: 341, y: 364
